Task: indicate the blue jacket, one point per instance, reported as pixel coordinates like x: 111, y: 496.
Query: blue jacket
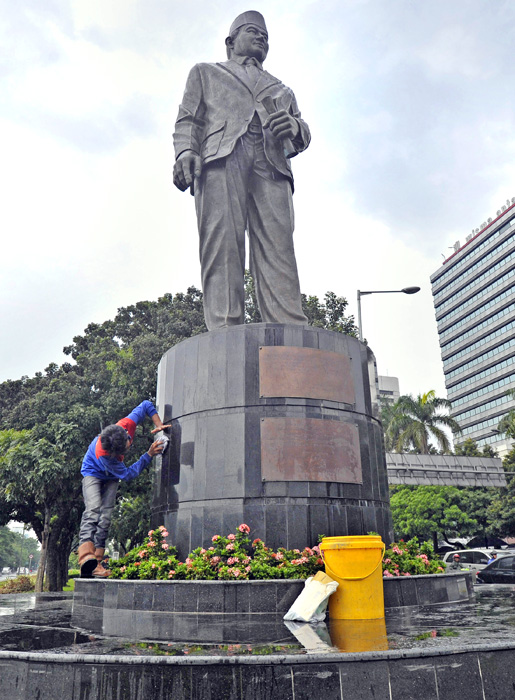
x: 99, y: 464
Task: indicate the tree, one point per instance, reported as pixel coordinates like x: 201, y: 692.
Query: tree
x: 429, y: 511
x: 469, y: 448
x: 413, y: 422
x: 15, y: 549
x: 39, y: 486
x: 502, y: 508
x: 507, y: 423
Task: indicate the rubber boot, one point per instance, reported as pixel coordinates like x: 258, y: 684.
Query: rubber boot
x: 87, y: 559
x: 100, y: 572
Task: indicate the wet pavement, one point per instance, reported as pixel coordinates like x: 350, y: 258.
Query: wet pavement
x: 42, y: 623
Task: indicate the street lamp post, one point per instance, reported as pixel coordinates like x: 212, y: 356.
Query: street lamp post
x: 406, y: 290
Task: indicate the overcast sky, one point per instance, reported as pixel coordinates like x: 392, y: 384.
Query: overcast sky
x: 411, y: 110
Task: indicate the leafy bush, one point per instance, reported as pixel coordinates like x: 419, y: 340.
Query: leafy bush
x: 20, y: 584
x: 231, y: 557
x: 411, y: 559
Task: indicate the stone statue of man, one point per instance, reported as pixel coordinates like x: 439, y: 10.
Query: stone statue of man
x: 236, y: 130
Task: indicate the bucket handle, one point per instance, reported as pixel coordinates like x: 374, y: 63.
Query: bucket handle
x: 359, y: 578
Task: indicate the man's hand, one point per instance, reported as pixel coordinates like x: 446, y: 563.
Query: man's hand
x: 160, y: 426
x: 187, y: 167
x: 156, y: 448
x: 282, y: 125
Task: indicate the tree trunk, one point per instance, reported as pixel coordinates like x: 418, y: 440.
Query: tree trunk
x: 435, y: 541
x: 40, y: 577
x: 58, y: 554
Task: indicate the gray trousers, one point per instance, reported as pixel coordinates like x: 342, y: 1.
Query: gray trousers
x: 238, y: 193
x: 99, y: 499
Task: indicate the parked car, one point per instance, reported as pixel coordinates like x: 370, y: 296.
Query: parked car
x: 502, y: 570
x: 472, y: 559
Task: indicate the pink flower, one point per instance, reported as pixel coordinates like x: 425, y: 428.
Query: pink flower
x: 165, y: 546
x: 152, y: 543
x: 316, y: 549
x: 297, y: 551
x: 122, y: 568
x: 215, y: 538
x: 189, y: 562
x: 256, y: 542
x: 229, y: 547
x: 387, y: 561
x: 231, y: 537
x: 236, y: 572
x: 150, y: 533
x: 165, y: 533
x: 141, y: 554
x: 202, y: 551
x: 211, y: 549
x: 279, y: 556
x: 244, y: 528
x: 246, y: 560
x: 247, y: 569
x: 233, y: 560
x: 153, y: 566
x: 405, y: 573
x: 387, y: 573
x: 215, y: 560
x: 171, y: 574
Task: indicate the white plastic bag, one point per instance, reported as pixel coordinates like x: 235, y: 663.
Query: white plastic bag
x: 311, y: 604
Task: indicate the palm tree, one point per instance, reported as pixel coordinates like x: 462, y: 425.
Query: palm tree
x: 507, y: 423
x: 413, y: 421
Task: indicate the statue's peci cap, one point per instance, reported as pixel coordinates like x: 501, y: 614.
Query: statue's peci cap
x: 249, y: 17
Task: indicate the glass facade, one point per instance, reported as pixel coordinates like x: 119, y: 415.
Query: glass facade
x: 474, y: 300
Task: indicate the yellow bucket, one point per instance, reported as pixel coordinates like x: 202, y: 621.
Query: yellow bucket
x: 355, y: 563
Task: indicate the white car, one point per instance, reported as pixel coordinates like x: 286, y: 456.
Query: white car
x: 473, y: 559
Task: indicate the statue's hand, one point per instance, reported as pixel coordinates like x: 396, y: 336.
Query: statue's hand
x: 187, y: 167
x: 282, y: 125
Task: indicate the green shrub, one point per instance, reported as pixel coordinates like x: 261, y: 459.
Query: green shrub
x: 20, y: 584
x: 231, y: 557
x: 411, y: 559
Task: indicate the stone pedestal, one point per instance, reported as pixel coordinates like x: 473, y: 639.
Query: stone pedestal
x: 275, y: 426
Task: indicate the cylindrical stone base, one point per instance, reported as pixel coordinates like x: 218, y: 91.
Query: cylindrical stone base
x: 275, y: 426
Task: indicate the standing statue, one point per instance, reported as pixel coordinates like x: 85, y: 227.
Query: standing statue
x: 236, y: 130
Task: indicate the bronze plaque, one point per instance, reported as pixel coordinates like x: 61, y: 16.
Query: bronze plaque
x: 305, y: 373
x: 310, y: 449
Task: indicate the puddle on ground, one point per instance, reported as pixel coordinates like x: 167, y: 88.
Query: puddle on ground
x: 42, y: 624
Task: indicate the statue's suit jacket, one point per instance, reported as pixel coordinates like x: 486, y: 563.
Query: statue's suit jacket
x: 218, y: 104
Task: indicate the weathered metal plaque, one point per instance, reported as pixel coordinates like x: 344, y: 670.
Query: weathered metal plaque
x: 310, y: 449
x: 305, y: 373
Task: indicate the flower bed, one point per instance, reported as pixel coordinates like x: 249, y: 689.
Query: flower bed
x: 411, y: 559
x: 235, y: 557
x: 232, y: 557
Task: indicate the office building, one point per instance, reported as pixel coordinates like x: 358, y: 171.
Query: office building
x: 389, y: 388
x: 474, y: 300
